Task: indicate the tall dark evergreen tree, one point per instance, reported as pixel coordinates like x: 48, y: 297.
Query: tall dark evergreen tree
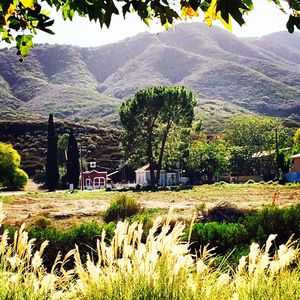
x: 73, y: 167
x: 52, y: 175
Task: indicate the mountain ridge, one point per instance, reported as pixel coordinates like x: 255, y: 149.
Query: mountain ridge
x: 89, y: 84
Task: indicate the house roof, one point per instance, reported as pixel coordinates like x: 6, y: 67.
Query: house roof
x: 263, y: 154
x: 113, y: 173
x: 143, y: 168
x: 296, y: 156
x: 94, y: 171
x: 147, y: 168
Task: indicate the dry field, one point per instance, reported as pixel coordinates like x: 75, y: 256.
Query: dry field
x: 66, y: 209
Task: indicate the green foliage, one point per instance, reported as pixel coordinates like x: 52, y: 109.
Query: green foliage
x: 283, y: 160
x: 11, y: 176
x: 253, y: 142
x: 62, y: 146
x: 149, y: 119
x: 84, y: 236
x: 223, y: 236
x: 19, y: 179
x: 284, y: 222
x: 251, y: 227
x: 42, y: 222
x: 52, y: 173
x: 296, y: 142
x: 122, y: 207
x: 208, y: 157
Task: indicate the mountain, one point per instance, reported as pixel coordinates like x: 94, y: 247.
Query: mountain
x: 230, y: 76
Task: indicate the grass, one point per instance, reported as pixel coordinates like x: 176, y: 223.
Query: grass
x: 121, y: 208
x: 64, y: 208
x: 159, y: 267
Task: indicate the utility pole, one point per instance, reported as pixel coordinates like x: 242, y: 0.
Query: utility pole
x: 81, y: 171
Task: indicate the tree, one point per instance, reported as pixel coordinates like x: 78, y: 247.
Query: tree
x: 62, y: 146
x: 52, y: 175
x: 210, y: 158
x: 296, y: 142
x: 11, y: 176
x: 255, y: 142
x: 149, y: 118
x: 19, y: 16
x: 73, y: 167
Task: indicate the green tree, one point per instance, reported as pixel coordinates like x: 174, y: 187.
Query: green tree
x: 210, y: 158
x: 52, y: 174
x: 149, y: 118
x: 296, y: 142
x: 11, y: 176
x: 255, y: 141
x: 73, y: 166
x: 19, y: 16
x: 62, y: 146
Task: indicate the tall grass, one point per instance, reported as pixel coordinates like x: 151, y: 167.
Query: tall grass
x: 121, y: 207
x: 159, y: 268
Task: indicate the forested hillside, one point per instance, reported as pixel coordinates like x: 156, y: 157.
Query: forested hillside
x: 30, y: 139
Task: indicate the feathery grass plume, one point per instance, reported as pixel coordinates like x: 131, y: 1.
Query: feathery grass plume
x: 262, y: 276
x: 159, y: 268
x: 22, y: 273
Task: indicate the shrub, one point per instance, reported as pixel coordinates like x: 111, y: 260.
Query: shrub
x: 19, y: 179
x: 223, y: 212
x: 122, y: 207
x: 284, y: 222
x: 42, y: 222
x: 224, y: 236
x: 11, y: 176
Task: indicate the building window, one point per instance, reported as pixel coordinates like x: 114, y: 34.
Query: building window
x: 99, y: 182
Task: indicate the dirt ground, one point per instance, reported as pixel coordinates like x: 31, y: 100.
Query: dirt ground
x: 66, y: 209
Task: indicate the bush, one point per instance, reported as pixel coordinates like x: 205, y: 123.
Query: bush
x: 223, y: 212
x: 11, y: 176
x: 19, y: 179
x: 251, y: 227
x: 284, y: 222
x: 42, y: 222
x: 224, y: 236
x: 84, y: 236
x: 122, y: 207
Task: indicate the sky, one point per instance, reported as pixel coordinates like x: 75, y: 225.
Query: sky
x: 265, y: 19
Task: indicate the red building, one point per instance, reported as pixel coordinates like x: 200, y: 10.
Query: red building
x: 94, y: 180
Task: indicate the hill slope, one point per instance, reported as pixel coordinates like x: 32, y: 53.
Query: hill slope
x: 87, y: 85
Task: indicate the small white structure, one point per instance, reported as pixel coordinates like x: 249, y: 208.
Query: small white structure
x: 165, y: 178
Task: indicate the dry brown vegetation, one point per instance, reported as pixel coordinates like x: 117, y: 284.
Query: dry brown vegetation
x: 65, y: 209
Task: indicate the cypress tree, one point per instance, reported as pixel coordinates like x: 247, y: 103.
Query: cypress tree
x: 52, y: 175
x: 73, y: 167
